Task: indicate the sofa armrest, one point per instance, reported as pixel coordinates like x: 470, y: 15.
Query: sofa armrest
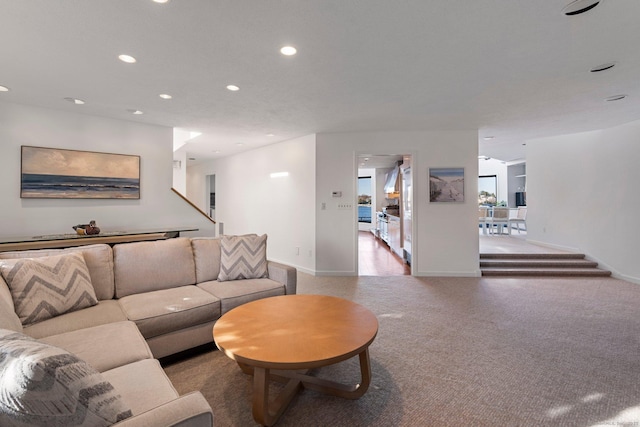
x: 190, y: 410
x: 283, y: 274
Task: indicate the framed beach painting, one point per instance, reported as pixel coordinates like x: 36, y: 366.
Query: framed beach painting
x: 446, y: 184
x: 54, y: 173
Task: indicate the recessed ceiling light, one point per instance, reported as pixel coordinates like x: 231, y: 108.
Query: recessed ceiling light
x: 216, y: 151
x: 288, y: 50
x: 579, y: 6
x: 603, y: 67
x: 127, y: 58
x: 233, y: 88
x: 161, y: 1
x: 270, y: 135
x: 165, y: 96
x: 488, y: 138
x: 239, y: 144
x: 75, y: 101
x: 4, y: 89
x: 615, y: 98
x: 138, y: 112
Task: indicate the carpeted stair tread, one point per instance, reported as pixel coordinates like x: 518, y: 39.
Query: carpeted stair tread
x: 538, y: 263
x: 532, y: 256
x: 548, y: 272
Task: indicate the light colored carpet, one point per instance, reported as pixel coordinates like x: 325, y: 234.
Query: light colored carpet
x: 464, y: 352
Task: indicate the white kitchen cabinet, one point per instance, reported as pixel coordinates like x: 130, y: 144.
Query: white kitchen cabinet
x: 395, y: 241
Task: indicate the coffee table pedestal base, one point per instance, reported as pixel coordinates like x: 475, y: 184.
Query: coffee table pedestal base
x: 266, y: 411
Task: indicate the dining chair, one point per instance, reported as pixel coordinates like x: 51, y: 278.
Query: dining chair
x: 500, y: 219
x: 520, y: 218
x: 483, y: 214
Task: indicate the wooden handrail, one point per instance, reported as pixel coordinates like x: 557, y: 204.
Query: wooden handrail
x: 192, y: 205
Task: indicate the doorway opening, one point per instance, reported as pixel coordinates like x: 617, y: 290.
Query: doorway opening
x: 211, y: 192
x: 384, y: 199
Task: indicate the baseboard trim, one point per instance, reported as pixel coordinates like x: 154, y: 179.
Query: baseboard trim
x: 335, y: 273
x: 630, y: 279
x: 297, y: 267
x: 475, y: 273
x: 554, y: 246
x: 614, y: 273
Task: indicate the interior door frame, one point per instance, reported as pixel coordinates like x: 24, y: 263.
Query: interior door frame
x: 354, y: 180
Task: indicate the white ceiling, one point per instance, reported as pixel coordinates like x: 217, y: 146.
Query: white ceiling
x: 515, y: 69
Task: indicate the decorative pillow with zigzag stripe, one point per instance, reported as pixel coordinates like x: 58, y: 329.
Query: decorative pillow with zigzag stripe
x: 243, y: 257
x: 44, y: 385
x: 46, y: 287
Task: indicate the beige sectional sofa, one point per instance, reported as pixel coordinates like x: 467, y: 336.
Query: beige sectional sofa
x: 154, y: 299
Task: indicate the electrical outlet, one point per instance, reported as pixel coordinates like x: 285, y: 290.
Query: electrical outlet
x: 323, y: 206
x: 297, y: 251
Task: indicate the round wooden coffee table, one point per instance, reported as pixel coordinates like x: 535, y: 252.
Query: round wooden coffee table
x: 291, y: 333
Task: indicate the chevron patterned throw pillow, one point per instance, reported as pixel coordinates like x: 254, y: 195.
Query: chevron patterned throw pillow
x: 46, y: 287
x: 243, y: 257
x: 43, y: 385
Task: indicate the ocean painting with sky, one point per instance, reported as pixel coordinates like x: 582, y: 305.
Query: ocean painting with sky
x: 53, y: 173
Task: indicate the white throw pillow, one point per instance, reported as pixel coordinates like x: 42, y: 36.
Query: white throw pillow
x: 43, y: 385
x: 46, y: 287
x: 243, y: 257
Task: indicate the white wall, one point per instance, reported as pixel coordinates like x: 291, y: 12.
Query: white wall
x: 496, y: 167
x: 180, y: 174
x: 158, y: 206
x: 446, y: 234
x: 249, y: 201
x: 583, y: 193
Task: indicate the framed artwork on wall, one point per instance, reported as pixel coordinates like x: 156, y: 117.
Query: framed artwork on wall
x: 54, y: 173
x: 446, y: 184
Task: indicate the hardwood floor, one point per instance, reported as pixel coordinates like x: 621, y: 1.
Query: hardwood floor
x: 376, y: 259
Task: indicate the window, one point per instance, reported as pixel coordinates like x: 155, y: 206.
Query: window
x: 364, y: 199
x: 487, y: 190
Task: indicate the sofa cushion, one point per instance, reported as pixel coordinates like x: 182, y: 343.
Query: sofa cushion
x: 96, y: 345
x: 102, y: 313
x: 99, y: 259
x: 8, y: 317
x: 206, y: 254
x: 46, y: 287
x: 45, y: 385
x: 150, y: 266
x: 168, y: 310
x: 243, y: 257
x: 233, y: 294
x: 144, y: 384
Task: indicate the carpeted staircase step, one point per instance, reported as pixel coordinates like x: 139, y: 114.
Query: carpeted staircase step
x: 541, y: 265
x: 548, y: 272
x: 532, y: 256
x: 537, y: 263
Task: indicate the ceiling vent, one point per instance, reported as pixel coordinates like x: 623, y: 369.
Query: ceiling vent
x: 580, y: 6
x: 615, y: 98
x: 603, y: 67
